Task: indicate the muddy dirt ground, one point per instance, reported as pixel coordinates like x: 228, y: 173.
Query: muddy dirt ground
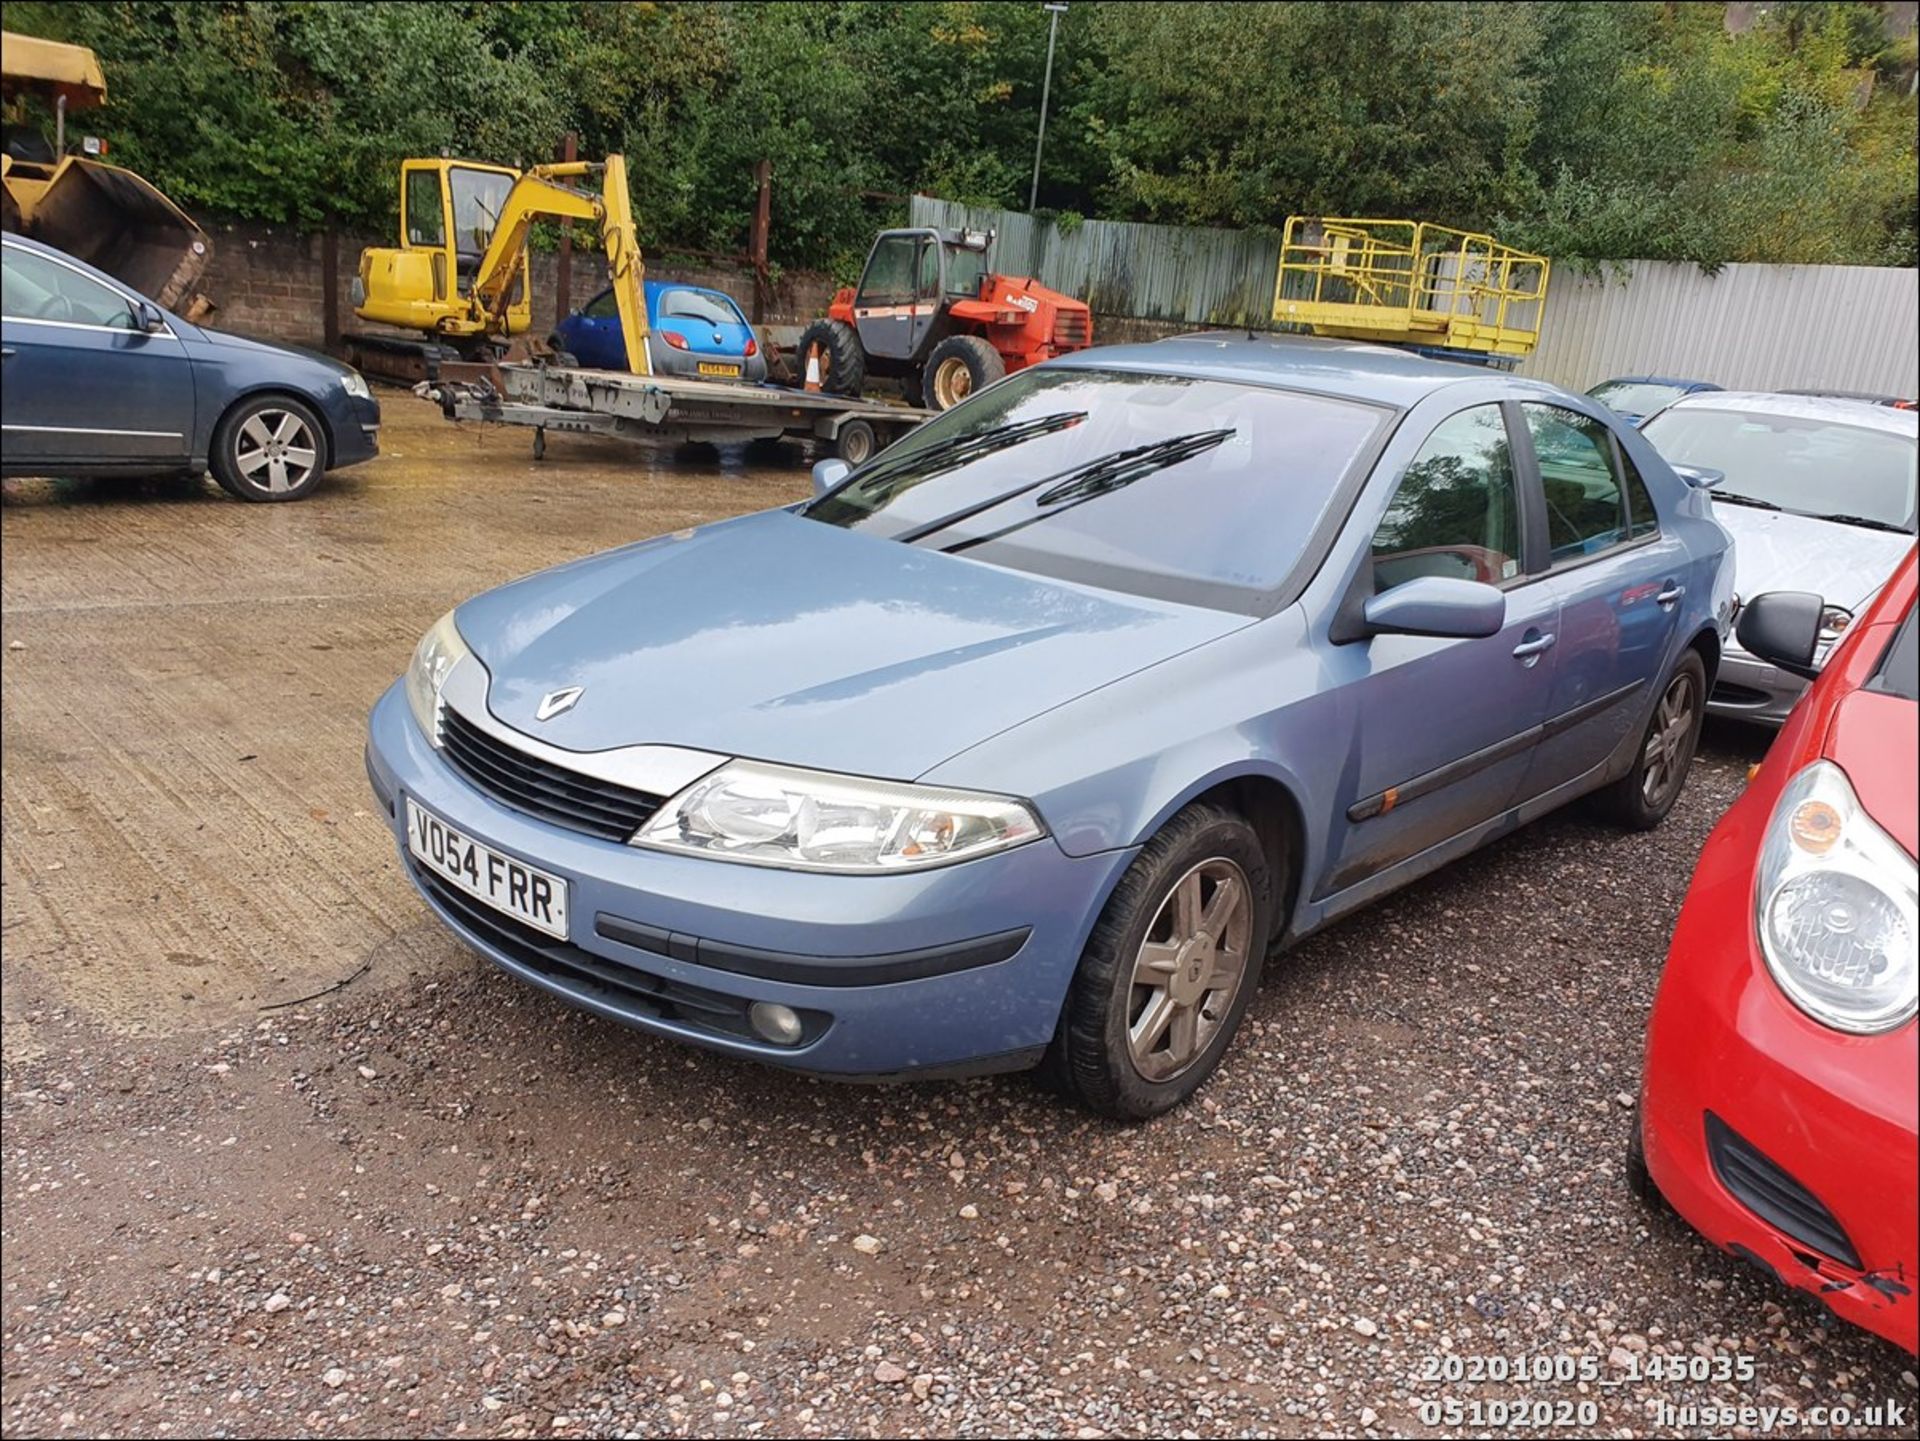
x: 435, y: 1201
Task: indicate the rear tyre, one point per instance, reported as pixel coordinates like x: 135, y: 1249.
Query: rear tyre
x: 831, y: 350
x: 959, y: 366
x: 1169, y: 969
x: 856, y: 443
x: 268, y: 448
x: 1641, y: 798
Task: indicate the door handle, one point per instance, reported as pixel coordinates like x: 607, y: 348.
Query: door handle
x: 6, y: 354
x: 1528, y: 649
x: 1670, y: 595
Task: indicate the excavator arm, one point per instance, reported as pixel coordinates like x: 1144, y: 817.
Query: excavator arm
x: 538, y: 195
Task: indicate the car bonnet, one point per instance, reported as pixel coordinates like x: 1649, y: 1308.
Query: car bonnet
x: 779, y: 638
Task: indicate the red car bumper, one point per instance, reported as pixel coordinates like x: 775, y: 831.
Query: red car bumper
x: 1808, y: 1165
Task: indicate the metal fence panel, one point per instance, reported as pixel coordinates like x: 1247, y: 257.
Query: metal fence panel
x: 1761, y: 327
x: 1151, y: 272
x: 1748, y: 327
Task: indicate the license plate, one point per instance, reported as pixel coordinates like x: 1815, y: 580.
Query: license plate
x: 513, y: 887
x: 707, y: 367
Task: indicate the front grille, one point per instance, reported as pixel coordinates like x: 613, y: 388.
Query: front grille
x: 581, y: 973
x: 1767, y: 1190
x: 550, y: 792
x: 1072, y: 329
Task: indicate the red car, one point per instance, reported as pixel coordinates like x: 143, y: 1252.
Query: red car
x: 1778, y: 1106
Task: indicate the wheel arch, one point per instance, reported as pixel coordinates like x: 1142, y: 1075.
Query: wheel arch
x: 1269, y: 800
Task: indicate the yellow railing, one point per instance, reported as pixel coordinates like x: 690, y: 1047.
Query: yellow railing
x: 1411, y: 283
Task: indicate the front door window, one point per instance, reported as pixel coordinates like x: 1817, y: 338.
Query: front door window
x: 1457, y: 511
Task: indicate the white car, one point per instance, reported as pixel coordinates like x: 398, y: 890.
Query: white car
x: 1819, y: 495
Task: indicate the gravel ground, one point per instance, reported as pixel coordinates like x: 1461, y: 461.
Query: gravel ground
x: 434, y: 1201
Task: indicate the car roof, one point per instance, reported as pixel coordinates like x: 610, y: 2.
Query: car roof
x: 1863, y: 413
x: 1653, y: 380
x: 1350, y: 369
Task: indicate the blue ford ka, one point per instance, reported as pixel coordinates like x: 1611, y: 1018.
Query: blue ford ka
x: 1025, y: 743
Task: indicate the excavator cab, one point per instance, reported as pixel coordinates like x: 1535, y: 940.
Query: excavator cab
x: 449, y: 210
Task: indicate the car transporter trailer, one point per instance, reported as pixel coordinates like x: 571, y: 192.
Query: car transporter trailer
x: 576, y: 401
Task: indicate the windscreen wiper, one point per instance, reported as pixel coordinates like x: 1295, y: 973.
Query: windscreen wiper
x: 1754, y: 501
x: 1870, y: 522
x: 876, y: 482
x: 1101, y: 477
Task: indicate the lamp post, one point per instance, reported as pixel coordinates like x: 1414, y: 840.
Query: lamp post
x: 1055, y: 8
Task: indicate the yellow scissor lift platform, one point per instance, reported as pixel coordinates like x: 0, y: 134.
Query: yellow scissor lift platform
x: 1404, y: 282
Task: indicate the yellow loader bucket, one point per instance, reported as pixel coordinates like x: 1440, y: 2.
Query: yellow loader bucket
x: 111, y: 219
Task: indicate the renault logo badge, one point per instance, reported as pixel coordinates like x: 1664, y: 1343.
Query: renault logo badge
x: 557, y: 702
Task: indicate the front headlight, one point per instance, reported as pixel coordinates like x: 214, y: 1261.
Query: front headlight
x: 812, y: 820
x: 354, y: 383
x: 1836, y: 906
x: 440, y: 649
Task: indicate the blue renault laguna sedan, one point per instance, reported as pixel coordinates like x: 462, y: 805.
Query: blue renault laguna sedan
x: 1026, y: 741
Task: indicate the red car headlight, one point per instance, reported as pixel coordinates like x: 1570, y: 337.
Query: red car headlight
x: 1837, y: 907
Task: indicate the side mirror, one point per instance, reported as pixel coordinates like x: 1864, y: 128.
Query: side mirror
x: 1782, y: 628
x: 1437, y: 605
x: 1700, y: 477
x: 149, y: 317
x: 828, y: 473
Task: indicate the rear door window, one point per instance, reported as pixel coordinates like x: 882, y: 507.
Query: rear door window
x: 1586, y: 504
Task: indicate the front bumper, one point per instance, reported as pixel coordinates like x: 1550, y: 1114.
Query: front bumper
x: 1831, y: 1116
x: 356, y: 431
x: 641, y: 922
x: 1751, y: 690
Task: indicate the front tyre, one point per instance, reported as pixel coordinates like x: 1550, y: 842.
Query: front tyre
x: 1640, y: 799
x: 1169, y: 969
x: 960, y: 366
x: 267, y: 448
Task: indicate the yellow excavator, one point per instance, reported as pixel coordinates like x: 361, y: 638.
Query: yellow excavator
x: 458, y: 279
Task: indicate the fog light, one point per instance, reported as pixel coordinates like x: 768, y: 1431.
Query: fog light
x: 775, y: 1022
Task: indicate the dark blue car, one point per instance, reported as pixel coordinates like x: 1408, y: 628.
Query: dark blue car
x: 101, y: 381
x: 1635, y: 397
x: 691, y: 331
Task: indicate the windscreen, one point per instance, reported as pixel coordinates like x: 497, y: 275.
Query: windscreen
x: 1807, y: 465
x: 478, y: 196
x: 1186, y: 488
x: 1636, y: 397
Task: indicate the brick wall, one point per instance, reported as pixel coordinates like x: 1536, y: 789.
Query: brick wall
x: 267, y: 282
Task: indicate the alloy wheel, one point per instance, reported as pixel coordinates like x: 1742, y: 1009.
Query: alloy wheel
x: 1189, y: 969
x: 1663, y: 762
x: 275, y: 450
